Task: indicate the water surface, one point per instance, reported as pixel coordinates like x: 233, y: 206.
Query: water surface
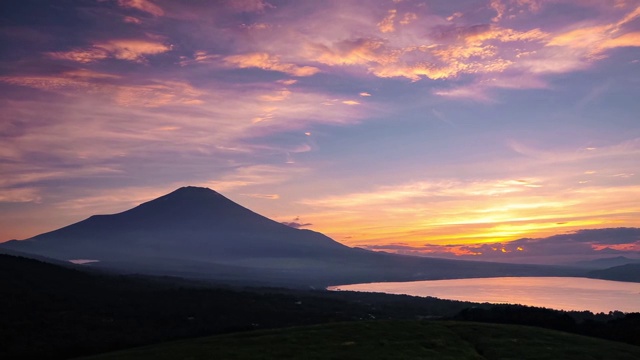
x: 562, y: 293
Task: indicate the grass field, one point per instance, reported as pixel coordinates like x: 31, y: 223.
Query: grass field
x: 389, y: 340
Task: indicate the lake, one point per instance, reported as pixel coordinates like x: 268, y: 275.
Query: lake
x: 562, y: 293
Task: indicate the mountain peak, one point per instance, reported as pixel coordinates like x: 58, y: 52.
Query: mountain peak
x: 188, y: 223
x: 193, y: 191
x: 191, y: 188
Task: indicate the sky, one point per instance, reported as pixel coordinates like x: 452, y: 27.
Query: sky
x: 484, y: 129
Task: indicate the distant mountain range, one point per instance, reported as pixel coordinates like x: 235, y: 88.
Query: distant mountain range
x: 198, y: 233
x: 607, y: 262
x: 627, y: 272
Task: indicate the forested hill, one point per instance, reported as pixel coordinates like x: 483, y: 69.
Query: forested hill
x: 55, y: 312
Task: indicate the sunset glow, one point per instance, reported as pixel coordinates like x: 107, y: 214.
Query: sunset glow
x: 444, y: 128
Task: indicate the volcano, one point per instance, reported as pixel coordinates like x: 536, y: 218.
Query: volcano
x: 191, y: 222
x: 198, y: 233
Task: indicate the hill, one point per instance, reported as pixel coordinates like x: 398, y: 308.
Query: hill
x: 604, y: 263
x: 198, y: 233
x: 390, y: 340
x: 55, y: 312
x: 628, y: 272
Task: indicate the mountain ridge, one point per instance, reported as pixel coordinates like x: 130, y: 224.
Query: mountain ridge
x: 197, y: 232
x: 190, y: 217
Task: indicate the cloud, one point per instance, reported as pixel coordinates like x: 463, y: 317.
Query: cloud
x: 563, y: 248
x: 473, y: 92
x: 408, y: 18
x: 19, y: 195
x: 610, y: 236
x: 81, y: 55
x: 500, y: 9
x: 512, y: 8
x: 268, y: 62
x: 264, y: 196
x: 387, y: 195
x: 247, y: 176
x: 626, y: 148
x: 132, y: 20
x: 133, y: 50
x: 350, y: 102
x: 296, y: 223
x: 188, y: 116
x: 112, y: 200
x: 158, y: 94
x: 125, y: 49
x: 360, y: 51
x: 142, y: 5
x: 79, y: 82
x: 75, y: 79
x: 386, y: 25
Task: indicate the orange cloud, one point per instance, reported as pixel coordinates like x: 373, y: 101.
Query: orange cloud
x: 350, y: 102
x: 277, y: 96
x: 268, y: 62
x: 132, y: 50
x: 81, y: 55
x: 360, y: 51
x: 591, y: 42
x: 132, y: 20
x: 152, y: 94
x: 454, y: 16
x: 157, y: 94
x: 500, y: 9
x: 386, y: 25
x: 76, y: 79
x: 408, y: 18
x: 511, y: 8
x: 263, y: 196
x: 19, y: 195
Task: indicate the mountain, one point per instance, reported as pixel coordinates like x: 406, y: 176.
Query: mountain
x: 627, y: 272
x: 604, y: 263
x: 191, y: 222
x: 198, y: 233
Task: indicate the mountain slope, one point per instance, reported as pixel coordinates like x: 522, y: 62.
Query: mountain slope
x: 604, y: 263
x: 54, y: 312
x: 198, y: 233
x: 389, y: 340
x: 194, y: 223
x: 628, y: 272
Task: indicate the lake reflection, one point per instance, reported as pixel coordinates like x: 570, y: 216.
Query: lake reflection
x: 563, y: 293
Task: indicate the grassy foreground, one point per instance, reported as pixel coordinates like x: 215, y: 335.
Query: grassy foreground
x: 389, y: 340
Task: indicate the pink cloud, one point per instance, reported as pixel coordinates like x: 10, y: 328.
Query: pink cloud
x: 81, y: 55
x: 268, y: 62
x: 387, y: 24
x: 562, y: 248
x: 124, y: 49
x: 132, y: 20
x: 142, y: 5
x: 133, y: 50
